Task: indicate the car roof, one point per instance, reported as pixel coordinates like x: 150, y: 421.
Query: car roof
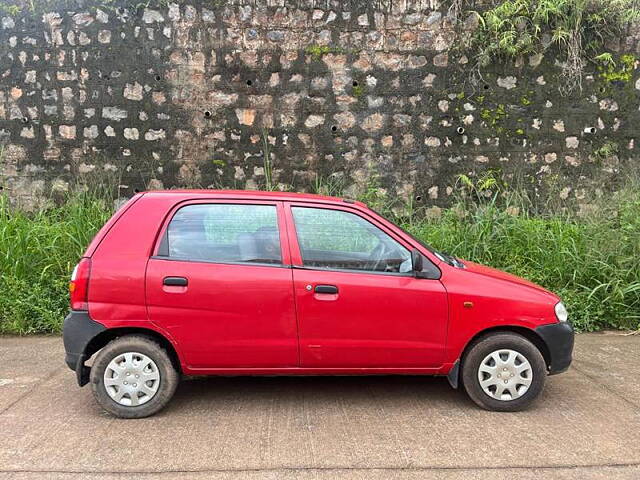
x: 253, y: 195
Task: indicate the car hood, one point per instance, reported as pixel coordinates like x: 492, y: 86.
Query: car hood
x: 499, y: 274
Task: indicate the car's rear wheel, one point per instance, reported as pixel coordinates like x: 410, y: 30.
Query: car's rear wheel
x: 503, y: 372
x: 133, y: 377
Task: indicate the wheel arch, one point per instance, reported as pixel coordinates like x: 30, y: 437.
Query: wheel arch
x: 454, y: 376
x: 103, y: 338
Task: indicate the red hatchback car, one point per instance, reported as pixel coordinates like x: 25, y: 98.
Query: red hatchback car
x: 260, y: 283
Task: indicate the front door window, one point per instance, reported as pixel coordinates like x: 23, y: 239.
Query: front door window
x: 339, y: 240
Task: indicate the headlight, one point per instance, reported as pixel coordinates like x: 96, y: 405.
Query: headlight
x: 561, y: 312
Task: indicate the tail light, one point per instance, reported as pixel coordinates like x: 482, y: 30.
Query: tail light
x: 79, y: 285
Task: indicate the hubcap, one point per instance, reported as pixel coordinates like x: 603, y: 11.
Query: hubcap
x: 131, y: 379
x: 505, y: 375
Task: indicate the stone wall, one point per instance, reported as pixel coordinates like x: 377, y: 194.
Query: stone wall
x: 349, y: 95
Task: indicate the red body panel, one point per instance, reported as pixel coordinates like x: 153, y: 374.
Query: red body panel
x: 229, y: 315
x: 373, y: 321
x: 497, y: 301
x: 256, y: 319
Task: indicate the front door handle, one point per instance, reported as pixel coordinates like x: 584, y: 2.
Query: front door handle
x: 175, y: 281
x: 326, y: 289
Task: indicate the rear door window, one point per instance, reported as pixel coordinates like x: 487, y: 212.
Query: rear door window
x: 225, y: 233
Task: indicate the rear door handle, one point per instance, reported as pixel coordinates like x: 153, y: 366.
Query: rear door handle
x: 175, y: 281
x: 326, y: 289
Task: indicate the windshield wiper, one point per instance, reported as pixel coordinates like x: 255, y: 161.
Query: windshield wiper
x: 451, y: 260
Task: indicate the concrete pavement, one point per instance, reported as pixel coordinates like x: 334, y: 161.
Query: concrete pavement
x: 585, y: 426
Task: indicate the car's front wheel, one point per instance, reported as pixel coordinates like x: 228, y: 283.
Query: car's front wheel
x: 133, y: 377
x: 503, y: 372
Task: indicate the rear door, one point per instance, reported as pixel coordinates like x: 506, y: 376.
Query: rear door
x: 221, y: 285
x: 358, y: 303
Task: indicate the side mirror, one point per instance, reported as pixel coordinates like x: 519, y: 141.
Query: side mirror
x: 418, y: 267
x: 416, y: 261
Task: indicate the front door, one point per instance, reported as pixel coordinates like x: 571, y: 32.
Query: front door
x: 218, y: 284
x: 358, y: 303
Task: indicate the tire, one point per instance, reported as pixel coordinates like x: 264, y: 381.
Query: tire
x: 131, y: 359
x: 504, y: 361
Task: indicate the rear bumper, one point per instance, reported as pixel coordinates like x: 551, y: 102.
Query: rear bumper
x: 558, y: 337
x: 78, y: 330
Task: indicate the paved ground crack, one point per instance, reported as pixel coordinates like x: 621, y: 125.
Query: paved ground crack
x: 470, y: 468
x: 610, y: 390
x: 44, y: 379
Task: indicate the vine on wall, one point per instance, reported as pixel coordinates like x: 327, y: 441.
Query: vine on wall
x: 579, y: 29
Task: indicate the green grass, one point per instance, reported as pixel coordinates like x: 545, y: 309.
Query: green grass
x: 37, y: 254
x: 593, y: 262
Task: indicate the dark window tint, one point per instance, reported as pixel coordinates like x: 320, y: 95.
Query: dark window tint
x: 335, y: 239
x: 225, y: 233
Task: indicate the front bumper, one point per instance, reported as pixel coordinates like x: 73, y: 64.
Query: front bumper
x: 558, y: 337
x: 78, y: 331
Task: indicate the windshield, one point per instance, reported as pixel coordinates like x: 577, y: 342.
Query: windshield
x: 444, y: 257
